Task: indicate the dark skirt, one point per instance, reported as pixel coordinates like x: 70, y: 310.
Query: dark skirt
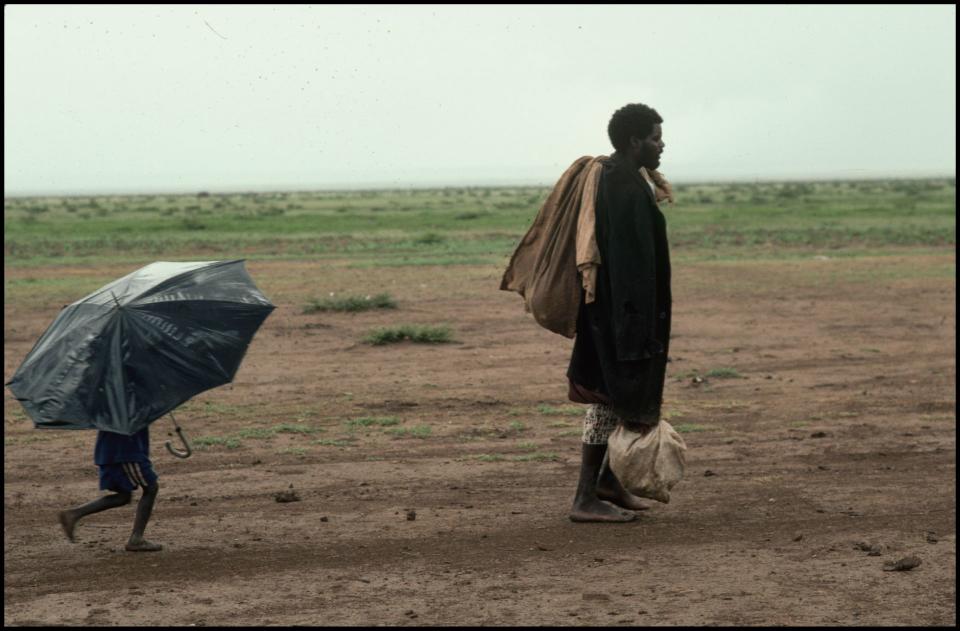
x: 634, y: 389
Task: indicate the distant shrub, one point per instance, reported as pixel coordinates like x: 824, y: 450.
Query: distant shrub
x: 190, y: 223
x: 430, y: 238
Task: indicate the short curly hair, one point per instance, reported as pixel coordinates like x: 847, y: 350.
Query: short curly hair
x: 635, y: 119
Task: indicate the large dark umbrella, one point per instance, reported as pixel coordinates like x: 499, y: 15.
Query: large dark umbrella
x: 137, y: 348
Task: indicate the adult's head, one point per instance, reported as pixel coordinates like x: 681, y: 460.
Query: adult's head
x: 635, y: 132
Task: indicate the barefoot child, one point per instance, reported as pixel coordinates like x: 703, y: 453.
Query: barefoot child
x: 124, y: 465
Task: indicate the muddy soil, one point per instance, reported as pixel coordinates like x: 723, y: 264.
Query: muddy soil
x: 830, y: 455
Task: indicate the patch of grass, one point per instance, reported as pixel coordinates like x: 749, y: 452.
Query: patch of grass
x: 295, y: 428
x: 517, y: 426
x: 566, y: 410
x: 256, y: 433
x: 351, y: 304
x: 490, y: 458
x: 537, y: 457
x: 419, y: 431
x: 724, y: 373
x: 527, y: 446
x: 689, y: 428
x: 559, y: 425
x: 202, y: 442
x: 296, y: 451
x: 417, y: 334
x: 367, y: 421
x: 329, y: 442
x: 572, y: 432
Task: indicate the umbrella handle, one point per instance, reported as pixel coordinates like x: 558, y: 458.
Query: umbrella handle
x: 176, y: 452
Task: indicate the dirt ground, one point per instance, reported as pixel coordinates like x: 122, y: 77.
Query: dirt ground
x: 839, y: 435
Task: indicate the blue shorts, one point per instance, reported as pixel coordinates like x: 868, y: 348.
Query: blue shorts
x: 125, y: 477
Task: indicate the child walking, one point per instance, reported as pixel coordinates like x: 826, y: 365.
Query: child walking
x: 124, y: 463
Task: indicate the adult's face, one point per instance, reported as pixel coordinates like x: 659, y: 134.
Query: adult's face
x: 646, y: 151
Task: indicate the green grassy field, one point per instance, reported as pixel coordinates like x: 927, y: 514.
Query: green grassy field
x: 466, y: 226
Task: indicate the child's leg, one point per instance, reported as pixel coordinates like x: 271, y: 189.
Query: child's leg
x: 69, y: 518
x: 144, y: 507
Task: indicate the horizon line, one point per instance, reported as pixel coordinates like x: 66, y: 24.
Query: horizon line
x: 434, y: 185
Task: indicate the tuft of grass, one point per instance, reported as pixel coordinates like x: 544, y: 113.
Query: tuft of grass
x: 537, y: 457
x: 724, y: 373
x: 419, y: 431
x: 688, y: 428
x: 203, y: 442
x: 517, y: 426
x: 566, y: 410
x: 490, y: 458
x: 527, y: 446
x: 295, y: 428
x: 367, y: 421
x: 351, y: 304
x: 329, y: 442
x: 256, y: 432
x: 417, y: 334
x: 572, y: 432
x: 296, y: 451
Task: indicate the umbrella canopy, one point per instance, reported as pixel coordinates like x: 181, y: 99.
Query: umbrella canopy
x: 135, y: 349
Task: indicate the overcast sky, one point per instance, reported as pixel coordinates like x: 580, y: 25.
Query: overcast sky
x: 179, y: 98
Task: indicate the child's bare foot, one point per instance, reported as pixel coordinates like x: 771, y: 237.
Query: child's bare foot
x: 142, y: 545
x: 68, y: 522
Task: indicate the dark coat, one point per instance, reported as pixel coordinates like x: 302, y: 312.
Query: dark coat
x: 622, y: 338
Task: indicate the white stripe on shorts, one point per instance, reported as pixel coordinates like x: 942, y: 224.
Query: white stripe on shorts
x: 132, y: 469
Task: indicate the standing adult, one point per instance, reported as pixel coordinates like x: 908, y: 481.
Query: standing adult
x: 619, y: 356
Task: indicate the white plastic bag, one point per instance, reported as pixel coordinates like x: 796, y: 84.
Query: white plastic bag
x: 648, y: 465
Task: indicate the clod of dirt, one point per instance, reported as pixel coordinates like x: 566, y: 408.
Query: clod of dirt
x: 708, y: 473
x: 411, y: 515
x: 286, y: 496
x: 595, y: 596
x: 324, y: 518
x: 543, y: 548
x: 799, y: 537
x: 901, y: 565
x: 697, y: 381
x: 932, y: 537
x: 872, y: 549
x: 818, y: 435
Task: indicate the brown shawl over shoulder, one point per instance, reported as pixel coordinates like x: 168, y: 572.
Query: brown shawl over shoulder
x: 543, y: 268
x: 558, y: 255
